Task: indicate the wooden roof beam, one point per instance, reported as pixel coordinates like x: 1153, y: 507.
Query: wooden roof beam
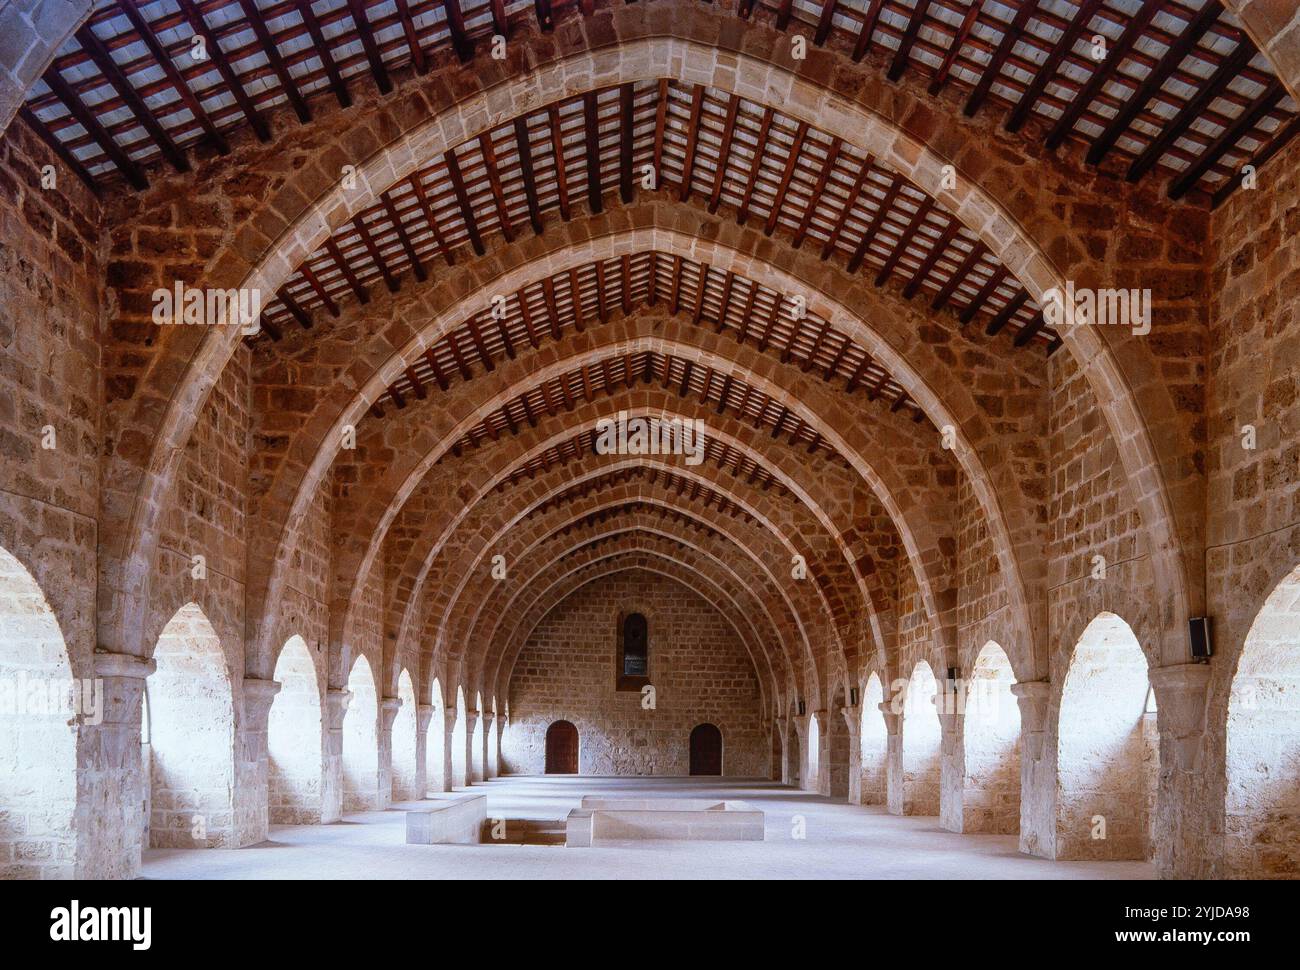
x: 462, y: 199
x: 1103, y: 72
x: 1013, y: 32
x: 1063, y: 47
x: 86, y: 118
x: 174, y: 77
x: 899, y: 64
x: 232, y: 82
x: 337, y: 83
x: 377, y: 69
x: 272, y: 53
x: 1130, y: 107
x: 143, y: 114
x: 591, y: 124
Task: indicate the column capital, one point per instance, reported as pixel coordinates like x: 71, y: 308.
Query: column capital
x: 423, y: 716
x: 892, y: 718
x: 1033, y: 697
x: 1180, y: 708
x: 257, y: 695
x: 388, y: 708
x: 336, y: 705
x: 123, y: 665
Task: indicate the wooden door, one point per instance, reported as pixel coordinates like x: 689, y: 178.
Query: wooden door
x: 561, y: 749
x: 706, y: 750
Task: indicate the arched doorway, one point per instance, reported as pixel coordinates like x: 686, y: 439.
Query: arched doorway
x: 1107, y: 747
x: 990, y: 795
x: 561, y: 749
x: 1262, y: 802
x: 403, y: 753
x: 293, y: 739
x: 812, y: 778
x: 922, y: 740
x: 706, y: 750
x: 38, y: 739
x: 875, y: 744
x: 361, y: 741
x: 190, y: 735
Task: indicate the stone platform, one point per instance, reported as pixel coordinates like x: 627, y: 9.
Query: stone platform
x: 606, y: 821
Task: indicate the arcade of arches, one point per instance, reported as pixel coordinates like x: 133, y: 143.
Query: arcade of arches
x: 698, y: 389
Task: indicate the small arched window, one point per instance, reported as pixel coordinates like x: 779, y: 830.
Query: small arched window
x: 633, y: 652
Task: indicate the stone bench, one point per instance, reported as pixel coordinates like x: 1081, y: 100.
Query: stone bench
x: 445, y: 819
x: 599, y: 821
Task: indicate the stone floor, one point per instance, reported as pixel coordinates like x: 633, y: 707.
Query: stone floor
x: 843, y: 842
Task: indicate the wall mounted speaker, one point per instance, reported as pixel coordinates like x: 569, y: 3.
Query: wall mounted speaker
x: 853, y: 697
x: 1202, y: 638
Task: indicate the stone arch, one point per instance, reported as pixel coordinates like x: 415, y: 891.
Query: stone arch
x: 1107, y: 747
x: 806, y: 617
x: 989, y: 799
x: 874, y: 740
x: 405, y: 785
x: 295, y: 756
x: 1262, y: 764
x: 904, y: 502
x: 712, y: 567
x: 921, y: 748
x: 812, y: 777
x: 38, y: 31
x: 190, y: 737
x: 740, y: 73
x: 38, y: 735
x: 361, y: 782
x: 705, y: 583
x: 1275, y: 30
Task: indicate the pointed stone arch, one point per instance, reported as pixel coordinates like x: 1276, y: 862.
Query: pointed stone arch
x: 38, y: 733
x: 295, y: 753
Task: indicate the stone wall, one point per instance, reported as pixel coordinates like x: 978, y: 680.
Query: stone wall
x: 698, y: 667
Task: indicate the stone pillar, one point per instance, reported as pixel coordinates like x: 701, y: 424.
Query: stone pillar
x: 896, y: 795
x: 952, y: 756
x: 448, y: 762
x: 1180, y: 838
x: 112, y: 776
x: 800, y: 740
x: 388, y: 709
x: 471, y: 720
x: 853, y: 725
x: 252, y: 771
x: 779, y: 726
x: 331, y: 796
x: 489, y: 735
x: 500, y: 723
x: 1037, y: 769
x: 423, y: 718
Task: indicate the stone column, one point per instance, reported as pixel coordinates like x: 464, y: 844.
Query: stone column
x: 895, y: 794
x: 331, y: 796
x: 448, y: 763
x: 489, y: 735
x: 800, y: 725
x: 471, y: 719
x: 423, y: 718
x: 112, y: 776
x: 501, y: 722
x: 1037, y: 769
x: 252, y: 771
x: 1181, y: 696
x: 952, y: 756
x: 853, y: 724
x: 388, y: 709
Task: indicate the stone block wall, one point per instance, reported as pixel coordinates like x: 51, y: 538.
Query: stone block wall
x: 698, y: 667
